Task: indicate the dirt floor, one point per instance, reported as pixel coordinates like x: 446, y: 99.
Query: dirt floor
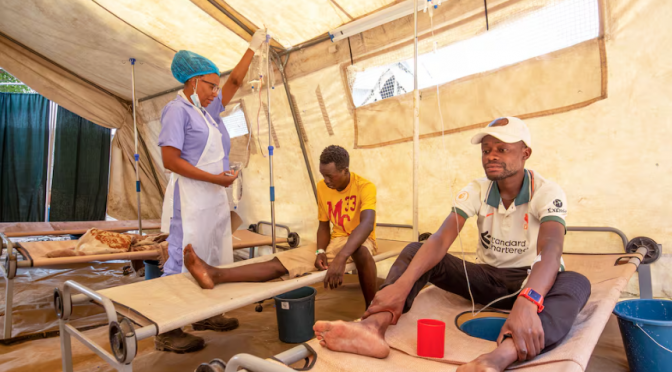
x: 257, y: 335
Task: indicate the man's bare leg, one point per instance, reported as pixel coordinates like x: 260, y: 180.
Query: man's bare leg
x: 364, y: 338
x: 495, y: 361
x: 208, y: 276
x: 367, y: 273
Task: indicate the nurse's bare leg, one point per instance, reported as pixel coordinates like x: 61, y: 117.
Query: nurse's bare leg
x: 208, y: 276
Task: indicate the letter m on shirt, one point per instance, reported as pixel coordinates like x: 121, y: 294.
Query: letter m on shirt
x: 336, y: 214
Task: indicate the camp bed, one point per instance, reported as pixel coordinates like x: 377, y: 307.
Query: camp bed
x: 160, y: 305
x: 608, y: 274
x: 28, y: 255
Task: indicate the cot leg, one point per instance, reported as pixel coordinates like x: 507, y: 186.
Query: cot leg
x: 66, y: 347
x: 645, y: 285
x: 9, y: 306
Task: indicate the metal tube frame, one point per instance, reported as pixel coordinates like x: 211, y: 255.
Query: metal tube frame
x: 300, y: 352
x: 254, y: 363
x: 292, y: 109
x: 67, y: 330
x: 88, y: 295
x: 270, y: 143
x: 274, y: 226
x: 8, y: 274
x: 394, y: 225
x: 643, y: 270
x: 416, y: 125
x: 136, y: 156
x: 614, y: 230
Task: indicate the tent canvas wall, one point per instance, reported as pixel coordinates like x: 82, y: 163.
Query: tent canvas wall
x: 607, y: 149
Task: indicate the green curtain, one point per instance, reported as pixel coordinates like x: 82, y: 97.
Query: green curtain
x: 24, y: 144
x: 81, y: 169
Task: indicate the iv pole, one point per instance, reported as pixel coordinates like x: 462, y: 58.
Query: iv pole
x: 270, y: 144
x: 135, y: 132
x: 416, y: 124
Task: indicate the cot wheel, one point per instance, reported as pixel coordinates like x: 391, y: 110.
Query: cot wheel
x: 215, y: 365
x: 294, y: 240
x: 258, y: 308
x: 253, y: 228
x: 10, y: 267
x: 61, y: 305
x: 653, y: 249
x: 122, y: 341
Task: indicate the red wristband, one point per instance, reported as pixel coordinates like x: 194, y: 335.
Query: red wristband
x: 534, y: 297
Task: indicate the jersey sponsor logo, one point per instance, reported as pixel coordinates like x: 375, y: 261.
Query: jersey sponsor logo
x: 336, y: 215
x: 557, y: 210
x: 485, y: 240
x: 463, y: 196
x: 527, y: 222
x: 557, y: 203
x: 503, y: 246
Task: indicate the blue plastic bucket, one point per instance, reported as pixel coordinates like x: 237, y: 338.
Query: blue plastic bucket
x: 152, y: 270
x: 646, y: 329
x: 486, y: 328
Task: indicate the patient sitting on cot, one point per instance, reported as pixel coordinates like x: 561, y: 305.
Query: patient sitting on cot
x: 521, y: 221
x: 345, y: 200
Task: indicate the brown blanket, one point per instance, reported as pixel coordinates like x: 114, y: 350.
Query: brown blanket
x: 96, y: 242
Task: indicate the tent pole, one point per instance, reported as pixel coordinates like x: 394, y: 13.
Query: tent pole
x: 137, y: 157
x: 53, y: 112
x: 292, y: 109
x: 270, y: 144
x: 416, y: 124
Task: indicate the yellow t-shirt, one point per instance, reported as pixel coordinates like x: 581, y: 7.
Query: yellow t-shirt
x: 343, y: 208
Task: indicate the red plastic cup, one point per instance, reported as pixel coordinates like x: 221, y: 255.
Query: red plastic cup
x: 431, y: 338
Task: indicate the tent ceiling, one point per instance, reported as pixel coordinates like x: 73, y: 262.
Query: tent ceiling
x: 95, y: 38
x: 304, y: 19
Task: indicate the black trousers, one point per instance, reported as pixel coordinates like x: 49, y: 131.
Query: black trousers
x: 562, y: 303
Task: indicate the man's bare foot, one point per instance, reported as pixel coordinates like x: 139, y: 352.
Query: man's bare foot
x: 478, y: 366
x: 355, y: 338
x: 198, y: 268
x: 496, y: 361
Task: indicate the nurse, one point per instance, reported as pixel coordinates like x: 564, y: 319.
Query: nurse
x: 195, y: 148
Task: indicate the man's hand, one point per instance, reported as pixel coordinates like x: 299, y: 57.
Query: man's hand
x: 392, y: 299
x: 321, y: 262
x: 225, y: 179
x: 525, y: 329
x: 335, y: 271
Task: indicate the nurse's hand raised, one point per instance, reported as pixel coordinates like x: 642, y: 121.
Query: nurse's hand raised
x: 225, y: 179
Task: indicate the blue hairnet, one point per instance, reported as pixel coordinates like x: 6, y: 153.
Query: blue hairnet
x: 188, y: 64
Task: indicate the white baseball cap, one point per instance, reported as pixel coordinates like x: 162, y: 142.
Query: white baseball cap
x: 509, y: 129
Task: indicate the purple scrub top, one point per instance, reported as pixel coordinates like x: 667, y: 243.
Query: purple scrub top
x: 184, y: 129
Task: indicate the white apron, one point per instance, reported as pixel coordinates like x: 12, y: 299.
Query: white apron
x: 206, y: 218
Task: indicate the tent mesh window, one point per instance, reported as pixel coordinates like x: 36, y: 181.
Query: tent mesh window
x: 519, y: 37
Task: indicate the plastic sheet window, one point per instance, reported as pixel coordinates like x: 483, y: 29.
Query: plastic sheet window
x: 559, y: 25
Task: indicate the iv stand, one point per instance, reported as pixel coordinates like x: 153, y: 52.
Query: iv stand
x: 137, y: 157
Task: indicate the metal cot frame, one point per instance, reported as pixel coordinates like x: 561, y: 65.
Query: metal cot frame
x: 12, y: 263
x: 123, y: 336
x: 305, y: 352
